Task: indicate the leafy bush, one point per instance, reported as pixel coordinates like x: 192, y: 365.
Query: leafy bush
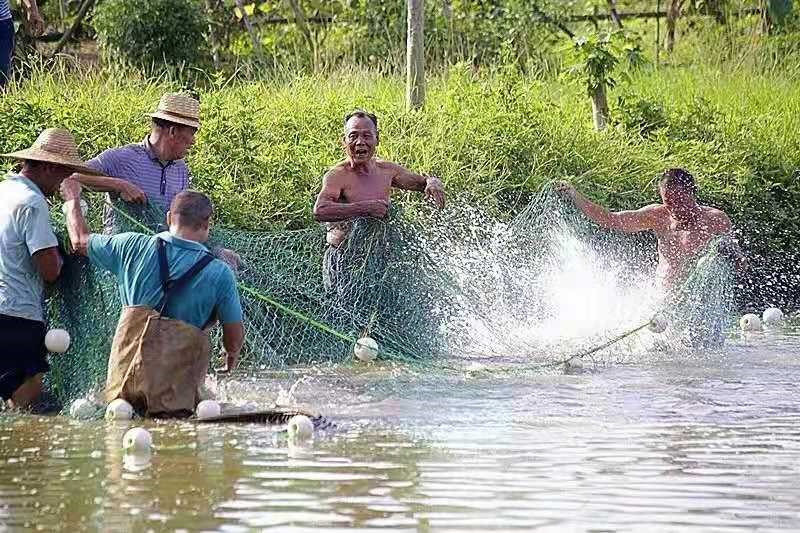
x: 639, y: 114
x: 148, y: 32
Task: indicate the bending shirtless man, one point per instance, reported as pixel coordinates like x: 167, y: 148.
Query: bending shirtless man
x: 682, y: 226
x: 361, y: 185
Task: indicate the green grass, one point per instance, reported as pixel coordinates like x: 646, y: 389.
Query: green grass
x: 493, y: 138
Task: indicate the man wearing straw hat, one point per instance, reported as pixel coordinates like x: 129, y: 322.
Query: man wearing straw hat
x: 153, y: 170
x: 29, y: 257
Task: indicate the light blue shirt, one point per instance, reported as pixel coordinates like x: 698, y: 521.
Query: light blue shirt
x: 133, y: 259
x: 24, y: 230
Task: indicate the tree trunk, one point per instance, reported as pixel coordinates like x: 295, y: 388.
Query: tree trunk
x: 415, y: 55
x: 612, y: 8
x: 302, y: 25
x: 213, y: 38
x: 600, y: 108
x: 673, y: 12
x: 84, y: 9
x: 249, y: 27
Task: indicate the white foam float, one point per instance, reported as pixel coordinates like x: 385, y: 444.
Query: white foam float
x: 119, y: 409
x: 57, y: 341
x: 658, y: 324
x: 208, y: 409
x: 366, y: 349
x: 772, y: 316
x: 300, y: 428
x: 137, y: 440
x: 750, y: 322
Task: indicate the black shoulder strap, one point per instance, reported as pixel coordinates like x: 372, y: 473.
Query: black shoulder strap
x: 172, y: 286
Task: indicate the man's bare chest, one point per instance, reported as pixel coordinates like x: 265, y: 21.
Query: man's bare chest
x: 376, y: 186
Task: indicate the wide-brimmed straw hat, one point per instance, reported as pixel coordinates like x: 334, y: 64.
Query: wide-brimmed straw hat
x: 179, y: 108
x: 57, y: 146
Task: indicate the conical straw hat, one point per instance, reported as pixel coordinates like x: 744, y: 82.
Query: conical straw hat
x: 180, y: 109
x: 54, y: 145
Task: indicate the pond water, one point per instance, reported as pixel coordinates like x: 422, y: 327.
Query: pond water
x: 691, y: 442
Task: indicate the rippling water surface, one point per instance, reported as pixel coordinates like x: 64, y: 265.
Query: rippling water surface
x: 707, y: 442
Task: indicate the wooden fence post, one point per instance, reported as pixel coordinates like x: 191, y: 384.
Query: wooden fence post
x: 415, y: 54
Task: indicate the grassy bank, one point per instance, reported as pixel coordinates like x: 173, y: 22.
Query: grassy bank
x: 265, y: 145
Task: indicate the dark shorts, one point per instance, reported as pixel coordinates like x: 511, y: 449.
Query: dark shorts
x: 22, y: 352
x: 6, y: 49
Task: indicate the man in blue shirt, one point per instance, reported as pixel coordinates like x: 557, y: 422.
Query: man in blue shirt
x: 172, y: 290
x: 29, y: 257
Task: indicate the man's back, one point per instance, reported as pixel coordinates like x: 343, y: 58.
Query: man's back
x: 133, y: 259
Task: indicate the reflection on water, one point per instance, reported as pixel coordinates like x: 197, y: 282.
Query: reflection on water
x: 698, y: 443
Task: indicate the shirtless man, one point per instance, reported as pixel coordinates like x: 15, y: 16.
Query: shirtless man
x: 361, y: 185
x: 682, y: 226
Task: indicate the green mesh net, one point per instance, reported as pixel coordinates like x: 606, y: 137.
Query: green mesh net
x: 432, y: 289
x: 301, y: 304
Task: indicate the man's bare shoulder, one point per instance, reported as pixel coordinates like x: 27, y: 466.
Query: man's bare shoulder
x: 389, y: 166
x: 338, y: 170
x: 716, y: 217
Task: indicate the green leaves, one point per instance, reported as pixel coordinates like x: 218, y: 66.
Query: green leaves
x: 594, y: 59
x: 149, y: 33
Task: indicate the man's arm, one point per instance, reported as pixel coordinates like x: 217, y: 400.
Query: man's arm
x: 48, y: 263
x: 410, y: 181
x: 327, y: 208
x: 728, y: 246
x: 76, y: 224
x: 232, y: 341
x: 644, y: 219
x: 34, y: 224
x: 127, y: 190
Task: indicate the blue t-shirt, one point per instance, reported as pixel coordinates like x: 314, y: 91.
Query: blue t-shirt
x: 5, y: 10
x: 133, y: 259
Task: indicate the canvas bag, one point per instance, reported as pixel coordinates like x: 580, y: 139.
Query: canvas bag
x: 157, y: 363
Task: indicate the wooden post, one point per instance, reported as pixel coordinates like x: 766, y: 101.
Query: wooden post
x: 612, y: 9
x: 415, y: 55
x: 600, y: 108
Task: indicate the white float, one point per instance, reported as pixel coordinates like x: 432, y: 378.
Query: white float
x: 658, y: 324
x: 84, y: 207
x: 57, y: 341
x: 750, y: 322
x: 82, y: 409
x: 301, y: 428
x: 137, y: 440
x: 772, y: 316
x: 119, y: 409
x: 366, y: 349
x: 208, y: 409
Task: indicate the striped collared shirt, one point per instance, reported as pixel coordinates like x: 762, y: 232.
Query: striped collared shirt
x: 5, y: 10
x: 160, y: 180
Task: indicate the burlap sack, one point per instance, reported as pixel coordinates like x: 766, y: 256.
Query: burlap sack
x: 157, y: 364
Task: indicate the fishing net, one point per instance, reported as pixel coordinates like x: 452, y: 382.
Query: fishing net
x: 385, y: 285
x: 433, y: 287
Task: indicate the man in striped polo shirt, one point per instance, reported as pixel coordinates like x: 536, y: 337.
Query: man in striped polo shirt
x: 35, y: 25
x: 153, y: 170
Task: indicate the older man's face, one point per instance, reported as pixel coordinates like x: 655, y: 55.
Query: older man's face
x: 360, y: 139
x: 182, y: 139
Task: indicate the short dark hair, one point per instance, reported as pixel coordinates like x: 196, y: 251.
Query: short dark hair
x: 193, y: 208
x: 360, y: 113
x: 678, y: 178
